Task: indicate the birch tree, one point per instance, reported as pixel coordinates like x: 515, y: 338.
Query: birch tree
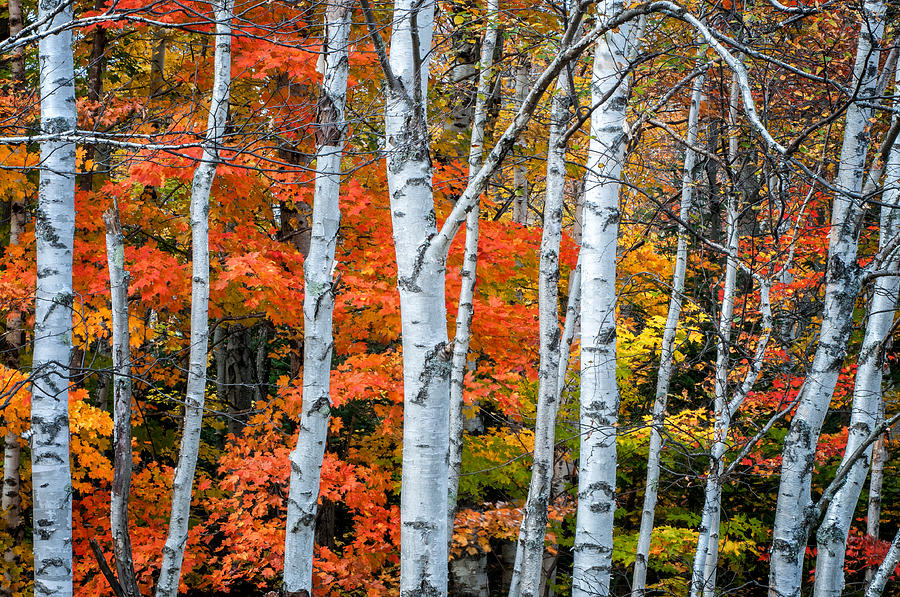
x: 420, y: 279
x: 667, y: 350
x: 10, y: 499
x: 886, y: 569
x: 599, y: 389
x: 867, y: 393
x: 122, y: 392
x: 469, y: 268
x: 530, y: 550
x: 842, y: 283
x: 54, y: 235
x: 173, y: 551
x: 318, y: 305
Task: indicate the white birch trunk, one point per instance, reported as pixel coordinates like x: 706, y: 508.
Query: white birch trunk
x: 886, y: 569
x: 121, y: 380
x: 867, y: 397
x: 708, y: 533
x: 530, y: 551
x: 667, y: 352
x: 318, y: 307
x: 173, y: 551
x: 54, y: 232
x: 10, y: 499
x: 842, y: 283
x: 468, y: 272
x: 599, y: 390
x: 420, y: 278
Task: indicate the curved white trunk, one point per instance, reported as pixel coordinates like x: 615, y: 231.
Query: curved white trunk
x: 599, y: 390
x: 867, y: 397
x: 667, y: 351
x: 841, y: 289
x: 468, y: 272
x: 530, y: 551
x: 173, y: 551
x: 54, y: 234
x: 318, y: 307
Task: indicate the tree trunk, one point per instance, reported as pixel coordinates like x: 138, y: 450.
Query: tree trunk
x: 886, y: 569
x: 867, y: 395
x: 876, y: 480
x: 10, y: 501
x: 530, y: 552
x: 318, y: 306
x: 841, y: 288
x: 468, y: 272
x: 54, y: 232
x: 667, y: 351
x: 520, y: 170
x: 420, y: 278
x: 599, y: 389
x: 708, y: 533
x: 121, y: 355
x: 173, y: 551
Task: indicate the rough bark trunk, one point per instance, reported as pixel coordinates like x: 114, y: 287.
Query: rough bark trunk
x: 54, y: 232
x: 468, y: 271
x: 530, y: 553
x: 318, y: 305
x: 599, y: 389
x: 121, y: 355
x: 173, y: 551
x: 667, y: 351
x: 867, y: 395
x: 842, y: 283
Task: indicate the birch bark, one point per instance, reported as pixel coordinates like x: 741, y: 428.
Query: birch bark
x: 54, y: 232
x: 121, y: 354
x: 841, y: 289
x: 420, y: 278
x: 10, y: 500
x: 886, y: 569
x: 667, y: 351
x: 173, y: 551
x: 867, y: 395
x: 599, y: 390
x: 318, y: 306
x: 468, y: 272
x: 530, y: 552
